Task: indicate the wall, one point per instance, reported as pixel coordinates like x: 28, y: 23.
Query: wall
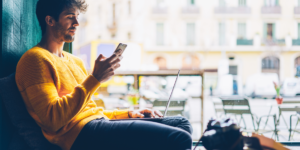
x: 20, y: 32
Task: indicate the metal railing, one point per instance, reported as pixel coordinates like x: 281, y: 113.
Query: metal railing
x: 297, y: 10
x: 241, y: 42
x: 233, y: 10
x: 190, y: 10
x: 271, y: 10
x: 296, y: 42
x: 159, y: 10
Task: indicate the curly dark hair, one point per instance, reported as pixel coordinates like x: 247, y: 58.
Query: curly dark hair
x: 54, y: 8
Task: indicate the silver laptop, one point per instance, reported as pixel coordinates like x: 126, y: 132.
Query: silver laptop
x: 154, y: 119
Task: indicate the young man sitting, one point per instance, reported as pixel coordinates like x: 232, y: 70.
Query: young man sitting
x: 57, y: 91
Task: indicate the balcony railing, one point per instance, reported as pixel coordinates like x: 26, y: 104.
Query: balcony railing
x: 271, y: 10
x: 274, y: 42
x: 159, y: 10
x: 245, y: 42
x: 296, y: 42
x: 297, y: 10
x: 232, y: 10
x: 190, y: 10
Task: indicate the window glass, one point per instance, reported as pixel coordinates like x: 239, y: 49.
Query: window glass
x: 222, y: 3
x: 242, y: 2
x: 190, y: 34
x: 222, y: 33
x: 159, y: 34
x: 241, y: 30
x: 271, y: 3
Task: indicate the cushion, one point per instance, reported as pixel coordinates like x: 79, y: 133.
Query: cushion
x: 26, y: 128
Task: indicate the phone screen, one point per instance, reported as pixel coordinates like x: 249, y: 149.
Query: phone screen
x: 121, y: 47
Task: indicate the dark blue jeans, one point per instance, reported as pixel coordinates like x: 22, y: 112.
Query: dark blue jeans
x: 173, y: 133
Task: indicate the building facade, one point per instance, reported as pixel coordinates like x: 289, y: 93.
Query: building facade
x: 254, y: 36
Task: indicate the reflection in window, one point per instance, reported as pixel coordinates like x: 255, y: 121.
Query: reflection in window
x: 160, y: 34
x: 190, y: 34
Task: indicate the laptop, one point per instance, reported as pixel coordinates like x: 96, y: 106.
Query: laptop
x: 154, y: 119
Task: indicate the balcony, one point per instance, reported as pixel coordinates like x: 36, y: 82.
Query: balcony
x: 190, y: 11
x: 233, y: 11
x: 159, y: 12
x: 244, y: 42
x: 271, y: 11
x: 296, y: 42
x: 274, y: 42
x: 297, y: 12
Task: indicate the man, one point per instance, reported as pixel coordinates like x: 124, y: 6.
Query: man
x: 57, y: 91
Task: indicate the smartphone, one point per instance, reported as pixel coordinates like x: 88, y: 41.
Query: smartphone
x: 121, y: 47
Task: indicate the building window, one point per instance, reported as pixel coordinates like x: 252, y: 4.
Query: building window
x: 270, y: 63
x: 233, y: 70
x: 190, y: 33
x: 222, y: 3
x: 269, y: 31
x: 241, y: 30
x: 161, y: 62
x: 242, y: 3
x: 129, y: 7
x: 191, y: 2
x: 159, y: 34
x: 222, y: 33
x: 298, y: 3
x: 160, y: 3
x: 190, y: 62
x: 271, y: 3
x: 298, y: 30
x: 297, y: 66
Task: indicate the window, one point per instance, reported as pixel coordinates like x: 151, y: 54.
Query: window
x: 298, y: 3
x: 270, y: 63
x: 271, y: 2
x: 242, y: 2
x: 222, y: 32
x: 191, y: 2
x: 160, y: 3
x: 222, y: 3
x: 233, y: 70
x: 190, y: 34
x: 298, y: 30
x: 297, y: 66
x: 241, y: 30
x: 269, y: 31
x: 159, y: 34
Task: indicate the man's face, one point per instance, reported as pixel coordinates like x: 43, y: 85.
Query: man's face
x: 66, y: 26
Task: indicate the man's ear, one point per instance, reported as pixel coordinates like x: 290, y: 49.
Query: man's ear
x: 50, y: 20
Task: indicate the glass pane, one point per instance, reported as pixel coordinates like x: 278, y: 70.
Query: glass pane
x: 160, y: 34
x: 242, y: 2
x: 190, y: 34
x: 242, y: 31
x: 222, y: 3
x: 222, y: 33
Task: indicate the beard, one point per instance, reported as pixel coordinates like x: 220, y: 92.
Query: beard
x: 63, y: 33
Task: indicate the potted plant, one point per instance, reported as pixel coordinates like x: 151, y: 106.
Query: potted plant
x: 278, y: 98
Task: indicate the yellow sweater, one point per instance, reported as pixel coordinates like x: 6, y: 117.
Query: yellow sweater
x: 57, y: 93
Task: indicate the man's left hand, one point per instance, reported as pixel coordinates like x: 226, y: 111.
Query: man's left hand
x: 144, y: 113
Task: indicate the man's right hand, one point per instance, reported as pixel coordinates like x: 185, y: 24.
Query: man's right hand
x: 105, y: 67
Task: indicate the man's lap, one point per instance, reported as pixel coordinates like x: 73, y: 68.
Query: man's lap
x: 132, y: 134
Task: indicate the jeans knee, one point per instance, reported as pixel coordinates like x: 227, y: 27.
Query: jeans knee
x: 183, y: 140
x: 187, y: 125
